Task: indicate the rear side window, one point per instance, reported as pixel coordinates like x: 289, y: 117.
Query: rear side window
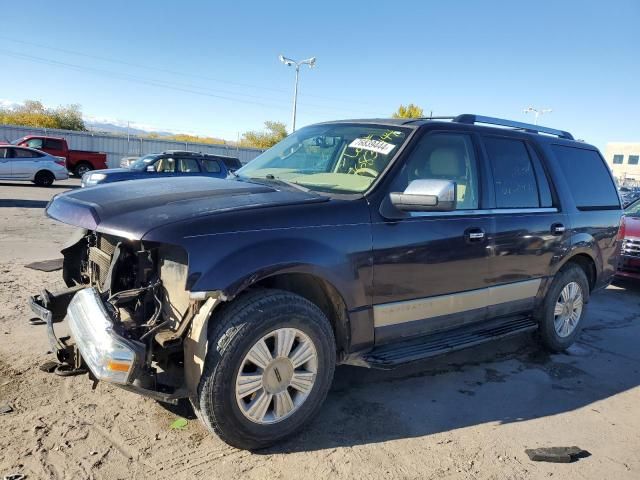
x: 53, y: 144
x: 588, y: 178
x: 34, y: 143
x: 188, y: 165
x: 210, y: 166
x: 514, y: 176
x: 3, y: 152
x: 24, y: 153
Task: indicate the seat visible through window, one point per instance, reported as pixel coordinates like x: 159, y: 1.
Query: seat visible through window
x: 447, y: 157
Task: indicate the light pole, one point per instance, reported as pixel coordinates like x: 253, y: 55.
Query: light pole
x: 290, y: 63
x: 537, y: 112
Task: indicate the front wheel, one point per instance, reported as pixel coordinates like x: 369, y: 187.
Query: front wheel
x: 563, y: 309
x: 268, y: 369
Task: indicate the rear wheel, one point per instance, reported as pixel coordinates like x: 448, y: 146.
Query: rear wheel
x: 82, y: 168
x: 268, y: 368
x: 44, y: 178
x: 563, y: 309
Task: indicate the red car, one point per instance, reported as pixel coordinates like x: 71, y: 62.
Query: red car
x: 629, y: 265
x: 78, y: 161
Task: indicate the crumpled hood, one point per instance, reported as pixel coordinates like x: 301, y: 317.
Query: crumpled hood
x: 132, y: 209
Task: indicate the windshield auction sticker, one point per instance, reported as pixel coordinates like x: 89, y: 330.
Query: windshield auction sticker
x: 377, y: 146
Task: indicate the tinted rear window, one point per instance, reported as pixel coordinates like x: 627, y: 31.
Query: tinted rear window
x: 588, y: 178
x: 513, y: 174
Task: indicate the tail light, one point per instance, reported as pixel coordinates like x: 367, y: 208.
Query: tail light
x: 62, y: 161
x: 622, y: 230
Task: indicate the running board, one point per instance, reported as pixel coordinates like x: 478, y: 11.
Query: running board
x: 393, y: 355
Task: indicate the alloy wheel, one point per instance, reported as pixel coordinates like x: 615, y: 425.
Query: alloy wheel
x: 568, y: 309
x: 276, y: 376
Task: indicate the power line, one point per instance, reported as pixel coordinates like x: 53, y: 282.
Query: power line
x: 193, y: 89
x: 173, y: 72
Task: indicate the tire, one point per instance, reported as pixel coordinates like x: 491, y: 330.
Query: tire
x: 237, y: 331
x: 82, y: 168
x: 44, y: 178
x: 552, y: 337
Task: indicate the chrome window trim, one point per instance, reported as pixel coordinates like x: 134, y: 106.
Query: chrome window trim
x: 487, y: 211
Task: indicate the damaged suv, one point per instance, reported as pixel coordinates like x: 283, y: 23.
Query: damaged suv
x: 373, y: 243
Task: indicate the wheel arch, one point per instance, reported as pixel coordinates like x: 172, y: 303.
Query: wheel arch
x: 321, y: 293
x: 586, y: 262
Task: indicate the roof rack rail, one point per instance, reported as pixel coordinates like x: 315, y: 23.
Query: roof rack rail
x: 528, y: 127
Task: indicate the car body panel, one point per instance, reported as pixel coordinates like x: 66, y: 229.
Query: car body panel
x: 383, y: 266
x: 123, y: 174
x: 58, y: 147
x: 629, y: 262
x: 13, y: 167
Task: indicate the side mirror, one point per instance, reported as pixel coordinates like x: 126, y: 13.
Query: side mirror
x: 427, y: 195
x: 151, y: 168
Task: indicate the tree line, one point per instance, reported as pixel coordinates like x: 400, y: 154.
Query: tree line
x: 33, y: 113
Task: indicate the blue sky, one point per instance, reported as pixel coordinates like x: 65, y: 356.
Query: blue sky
x: 212, y: 67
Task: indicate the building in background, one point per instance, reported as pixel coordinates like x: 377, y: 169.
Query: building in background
x: 624, y: 160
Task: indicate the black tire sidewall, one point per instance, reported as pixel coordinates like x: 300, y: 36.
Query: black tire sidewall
x: 217, y: 400
x: 44, y: 179
x: 78, y: 167
x: 548, y: 334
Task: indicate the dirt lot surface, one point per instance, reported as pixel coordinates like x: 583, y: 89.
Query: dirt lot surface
x: 467, y: 415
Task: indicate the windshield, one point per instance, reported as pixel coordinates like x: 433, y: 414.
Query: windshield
x: 16, y: 141
x: 633, y: 210
x: 142, y: 162
x: 341, y: 158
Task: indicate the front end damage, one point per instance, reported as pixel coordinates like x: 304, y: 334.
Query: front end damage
x: 128, y: 310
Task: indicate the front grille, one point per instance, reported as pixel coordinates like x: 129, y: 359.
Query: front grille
x: 631, y: 247
x: 100, y: 258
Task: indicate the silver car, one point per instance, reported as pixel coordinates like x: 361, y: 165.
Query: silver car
x: 22, y: 163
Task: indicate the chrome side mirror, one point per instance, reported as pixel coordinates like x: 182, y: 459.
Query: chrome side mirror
x: 151, y: 168
x: 426, y: 195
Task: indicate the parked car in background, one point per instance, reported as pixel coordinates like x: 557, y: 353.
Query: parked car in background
x: 166, y: 164
x: 78, y: 162
x: 629, y: 265
x: 629, y: 195
x: 21, y: 163
x: 126, y: 162
x: 373, y: 243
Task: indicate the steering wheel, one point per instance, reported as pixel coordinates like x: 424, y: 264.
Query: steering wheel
x: 366, y: 172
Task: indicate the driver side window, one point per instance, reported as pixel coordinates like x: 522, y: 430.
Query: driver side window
x: 166, y: 165
x: 444, y: 156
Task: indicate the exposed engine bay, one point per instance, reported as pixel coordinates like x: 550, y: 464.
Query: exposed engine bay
x: 143, y: 289
x: 142, y: 285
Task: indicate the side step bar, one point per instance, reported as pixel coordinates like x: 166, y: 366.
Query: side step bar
x: 393, y: 355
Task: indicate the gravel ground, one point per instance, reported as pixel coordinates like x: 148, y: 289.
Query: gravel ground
x: 468, y: 415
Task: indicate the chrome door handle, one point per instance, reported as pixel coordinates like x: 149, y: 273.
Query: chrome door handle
x: 558, y: 229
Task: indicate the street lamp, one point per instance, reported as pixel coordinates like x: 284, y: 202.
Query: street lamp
x: 537, y: 112
x: 290, y: 63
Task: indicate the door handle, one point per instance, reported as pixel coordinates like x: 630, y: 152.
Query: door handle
x: 558, y: 229
x: 474, y: 234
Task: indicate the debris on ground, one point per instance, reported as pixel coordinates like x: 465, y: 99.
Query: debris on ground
x: 6, y: 408
x: 46, y: 265
x: 48, y: 366
x: 179, y: 424
x: 556, y: 454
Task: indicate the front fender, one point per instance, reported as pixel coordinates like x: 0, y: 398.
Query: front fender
x: 338, y: 255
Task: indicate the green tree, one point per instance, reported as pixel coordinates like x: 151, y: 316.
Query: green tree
x: 273, y: 133
x: 33, y: 114
x: 410, y: 111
